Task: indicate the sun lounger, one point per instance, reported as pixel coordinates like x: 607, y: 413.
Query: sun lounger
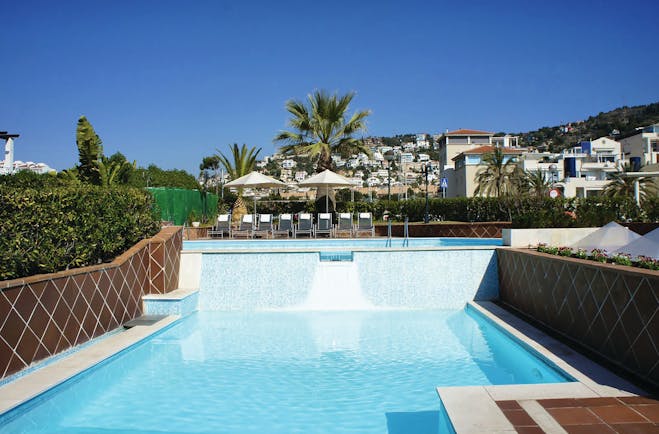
x: 304, y: 224
x: 264, y: 226
x: 222, y: 226
x: 285, y: 226
x: 246, y: 226
x: 365, y: 224
x: 324, y: 224
x: 345, y: 225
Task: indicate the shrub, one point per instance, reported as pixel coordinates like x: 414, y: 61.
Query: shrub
x: 647, y: 262
x: 564, y: 251
x: 622, y: 259
x: 598, y: 255
x: 581, y: 254
x: 54, y: 229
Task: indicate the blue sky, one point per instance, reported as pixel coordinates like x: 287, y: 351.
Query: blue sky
x: 169, y: 82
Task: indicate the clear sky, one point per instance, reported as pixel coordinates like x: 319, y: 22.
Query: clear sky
x: 169, y: 82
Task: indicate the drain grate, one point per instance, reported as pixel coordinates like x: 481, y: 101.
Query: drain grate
x: 335, y: 256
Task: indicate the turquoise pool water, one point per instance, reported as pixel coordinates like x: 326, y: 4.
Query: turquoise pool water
x: 288, y: 372
x: 336, y: 243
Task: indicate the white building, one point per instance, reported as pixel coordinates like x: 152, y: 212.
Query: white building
x: 301, y: 175
x: 406, y: 157
x: 642, y: 148
x: 288, y: 164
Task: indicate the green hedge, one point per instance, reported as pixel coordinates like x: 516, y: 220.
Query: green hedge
x: 54, y: 229
x: 523, y: 212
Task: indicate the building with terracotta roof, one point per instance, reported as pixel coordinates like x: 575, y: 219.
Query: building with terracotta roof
x: 468, y: 163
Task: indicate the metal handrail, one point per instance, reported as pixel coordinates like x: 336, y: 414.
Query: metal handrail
x: 388, y: 244
x: 406, y: 232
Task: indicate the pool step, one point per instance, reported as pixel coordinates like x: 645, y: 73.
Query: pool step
x: 335, y: 256
x: 144, y: 320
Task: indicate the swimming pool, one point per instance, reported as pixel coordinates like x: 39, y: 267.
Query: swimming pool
x: 338, y: 243
x: 289, y: 372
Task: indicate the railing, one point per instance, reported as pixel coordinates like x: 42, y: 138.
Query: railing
x: 388, y: 244
x: 406, y: 232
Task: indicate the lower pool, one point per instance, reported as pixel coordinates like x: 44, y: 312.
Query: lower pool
x: 288, y: 372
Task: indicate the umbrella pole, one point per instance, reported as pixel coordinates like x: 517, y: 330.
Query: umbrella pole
x: 327, y: 200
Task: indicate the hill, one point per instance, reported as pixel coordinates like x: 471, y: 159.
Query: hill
x: 619, y: 123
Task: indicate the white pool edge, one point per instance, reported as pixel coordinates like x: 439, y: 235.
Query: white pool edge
x: 34, y: 384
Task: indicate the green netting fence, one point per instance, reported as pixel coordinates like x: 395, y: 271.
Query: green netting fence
x: 176, y: 204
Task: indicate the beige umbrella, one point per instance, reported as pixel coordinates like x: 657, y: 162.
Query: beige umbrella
x: 255, y: 180
x: 326, y: 179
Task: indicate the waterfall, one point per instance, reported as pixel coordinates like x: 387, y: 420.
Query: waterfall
x: 336, y: 287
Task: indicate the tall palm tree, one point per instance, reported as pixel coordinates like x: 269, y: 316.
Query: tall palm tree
x: 499, y: 177
x: 321, y: 129
x: 623, y: 185
x: 244, y: 161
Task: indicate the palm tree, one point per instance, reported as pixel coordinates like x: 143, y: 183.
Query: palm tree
x: 321, y: 129
x: 536, y: 183
x: 89, y: 151
x: 244, y: 161
x: 623, y: 185
x: 499, y: 177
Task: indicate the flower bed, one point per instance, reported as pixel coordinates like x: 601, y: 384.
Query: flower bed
x: 601, y: 255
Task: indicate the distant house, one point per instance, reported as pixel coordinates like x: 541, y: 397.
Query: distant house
x: 288, y: 164
x: 642, y: 148
x: 467, y: 165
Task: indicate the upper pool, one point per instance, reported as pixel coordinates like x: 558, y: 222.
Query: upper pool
x: 338, y: 243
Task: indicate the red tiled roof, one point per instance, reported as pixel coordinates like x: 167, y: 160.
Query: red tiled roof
x: 463, y: 132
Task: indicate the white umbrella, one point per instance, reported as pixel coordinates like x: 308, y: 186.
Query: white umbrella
x: 255, y: 180
x: 647, y: 245
x: 326, y: 179
x: 610, y: 237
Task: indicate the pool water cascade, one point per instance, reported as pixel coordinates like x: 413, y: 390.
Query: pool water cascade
x: 304, y: 341
x: 336, y: 287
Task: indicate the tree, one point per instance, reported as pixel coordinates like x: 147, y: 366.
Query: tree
x: 89, y: 151
x: 321, y: 129
x: 244, y: 160
x: 535, y: 183
x: 622, y: 185
x: 211, y: 163
x: 499, y: 177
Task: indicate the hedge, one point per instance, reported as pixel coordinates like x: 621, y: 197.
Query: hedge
x: 523, y: 212
x: 49, y: 230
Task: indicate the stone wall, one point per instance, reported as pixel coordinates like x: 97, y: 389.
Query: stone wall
x: 608, y: 309
x: 46, y: 314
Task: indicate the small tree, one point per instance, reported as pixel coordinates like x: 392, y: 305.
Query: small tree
x: 89, y: 151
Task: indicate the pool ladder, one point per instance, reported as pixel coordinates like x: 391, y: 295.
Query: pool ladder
x: 406, y: 233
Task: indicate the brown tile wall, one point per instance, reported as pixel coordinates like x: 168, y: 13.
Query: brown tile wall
x: 609, y: 309
x: 471, y: 230
x: 43, y: 315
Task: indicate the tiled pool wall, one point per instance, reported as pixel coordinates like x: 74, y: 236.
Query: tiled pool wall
x: 439, y: 279
x: 608, y: 309
x: 46, y: 314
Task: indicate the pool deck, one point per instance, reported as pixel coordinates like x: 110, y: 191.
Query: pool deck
x: 598, y: 401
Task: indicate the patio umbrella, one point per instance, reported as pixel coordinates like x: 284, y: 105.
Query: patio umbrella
x: 326, y: 179
x: 610, y: 237
x: 255, y: 180
x: 647, y: 245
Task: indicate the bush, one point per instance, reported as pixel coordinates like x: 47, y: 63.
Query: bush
x: 58, y: 228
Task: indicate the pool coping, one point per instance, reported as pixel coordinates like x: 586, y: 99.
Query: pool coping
x: 340, y: 248
x: 34, y: 384
x: 473, y: 409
